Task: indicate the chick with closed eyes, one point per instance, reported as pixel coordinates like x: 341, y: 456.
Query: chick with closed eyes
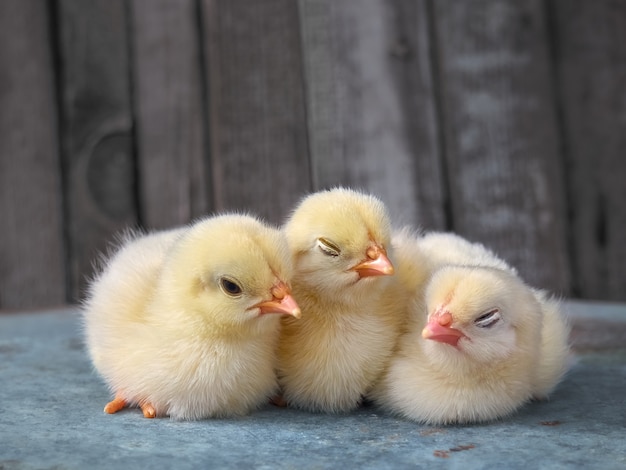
x: 486, y: 345
x: 440, y: 249
x: 181, y: 322
x: 339, y: 240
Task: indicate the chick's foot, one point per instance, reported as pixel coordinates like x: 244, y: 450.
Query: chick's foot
x: 115, y: 405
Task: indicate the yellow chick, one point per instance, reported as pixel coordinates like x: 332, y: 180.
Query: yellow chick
x: 441, y: 249
x: 488, y: 344
x: 179, y: 322
x: 331, y: 357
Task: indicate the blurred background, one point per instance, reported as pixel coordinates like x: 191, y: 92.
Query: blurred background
x: 501, y: 120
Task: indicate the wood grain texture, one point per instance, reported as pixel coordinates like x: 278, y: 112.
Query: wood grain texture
x: 499, y: 119
x: 501, y: 135
x: 97, y: 130
x: 173, y: 166
x: 258, y: 132
x: 370, y: 103
x: 31, y: 244
x: 591, y: 59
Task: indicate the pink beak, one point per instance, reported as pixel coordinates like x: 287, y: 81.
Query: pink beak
x: 439, y: 329
x: 282, y: 302
x: 376, y: 263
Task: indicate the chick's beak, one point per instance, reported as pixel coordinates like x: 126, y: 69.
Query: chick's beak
x: 439, y: 329
x: 282, y: 302
x: 375, y: 264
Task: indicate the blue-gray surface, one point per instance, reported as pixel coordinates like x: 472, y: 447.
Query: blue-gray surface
x: 51, y: 417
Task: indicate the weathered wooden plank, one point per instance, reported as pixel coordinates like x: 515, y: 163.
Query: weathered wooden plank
x: 370, y: 103
x: 172, y: 162
x: 501, y: 134
x: 97, y: 130
x: 258, y: 131
x: 31, y: 243
x: 591, y: 52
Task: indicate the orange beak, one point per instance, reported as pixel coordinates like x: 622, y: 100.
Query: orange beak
x: 375, y: 264
x: 439, y: 329
x: 282, y: 302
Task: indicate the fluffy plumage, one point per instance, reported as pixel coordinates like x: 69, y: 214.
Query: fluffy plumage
x: 350, y: 322
x: 179, y: 322
x: 555, y: 350
x: 481, y: 342
x: 443, y: 248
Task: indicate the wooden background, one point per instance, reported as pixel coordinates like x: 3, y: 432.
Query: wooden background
x: 502, y: 120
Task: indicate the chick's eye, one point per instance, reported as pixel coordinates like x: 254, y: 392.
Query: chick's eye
x: 328, y: 247
x: 230, y: 287
x: 488, y: 319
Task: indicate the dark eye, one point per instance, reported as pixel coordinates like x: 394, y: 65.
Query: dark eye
x: 230, y: 287
x: 488, y: 319
x: 328, y: 247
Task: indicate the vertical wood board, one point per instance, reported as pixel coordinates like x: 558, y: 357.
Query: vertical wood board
x: 97, y: 130
x: 31, y: 244
x: 370, y: 105
x: 259, y: 150
x: 501, y: 135
x: 591, y: 59
x: 172, y: 162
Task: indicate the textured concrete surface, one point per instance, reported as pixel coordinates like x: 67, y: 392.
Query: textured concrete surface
x: 51, y: 416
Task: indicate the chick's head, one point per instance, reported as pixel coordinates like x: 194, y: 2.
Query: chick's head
x: 339, y: 238
x: 481, y: 314
x: 229, y: 270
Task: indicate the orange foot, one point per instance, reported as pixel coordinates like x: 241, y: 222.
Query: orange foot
x: 148, y: 410
x: 115, y: 405
x: 119, y: 403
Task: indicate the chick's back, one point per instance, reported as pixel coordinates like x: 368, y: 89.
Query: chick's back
x: 118, y: 295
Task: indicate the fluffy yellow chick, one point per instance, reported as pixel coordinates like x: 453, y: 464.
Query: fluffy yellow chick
x: 418, y: 255
x: 331, y: 357
x: 441, y: 249
x: 179, y: 322
x: 488, y: 344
